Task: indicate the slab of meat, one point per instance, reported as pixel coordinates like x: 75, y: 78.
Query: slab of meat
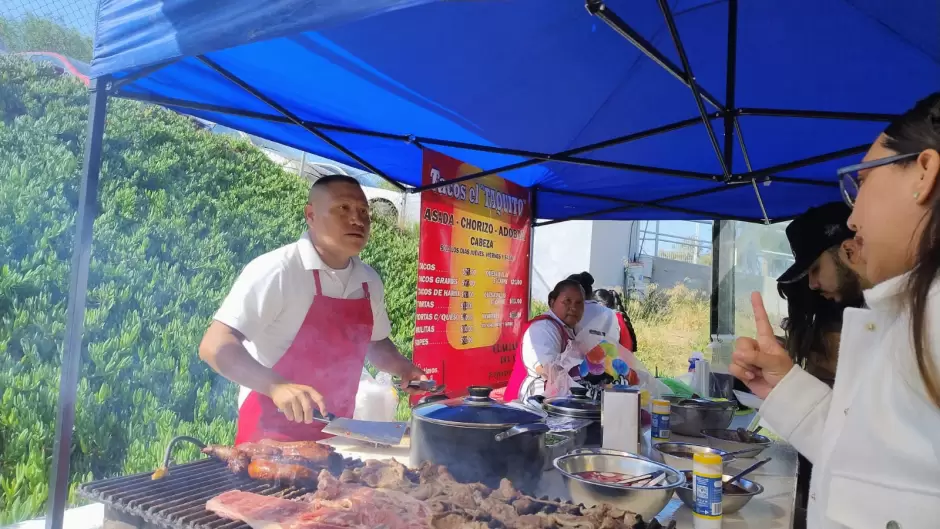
x: 255, y: 510
x: 357, y: 508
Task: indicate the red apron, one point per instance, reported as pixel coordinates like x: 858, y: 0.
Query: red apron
x: 327, y: 354
x: 519, y: 371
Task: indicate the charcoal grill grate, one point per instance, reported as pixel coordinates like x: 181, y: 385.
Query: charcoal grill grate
x: 178, y: 501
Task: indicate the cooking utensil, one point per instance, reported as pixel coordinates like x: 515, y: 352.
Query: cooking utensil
x: 747, y: 471
x: 643, y: 500
x: 382, y: 433
x: 729, y: 441
x: 679, y: 455
x: 731, y: 502
x: 461, y: 433
x: 577, y: 406
x: 690, y: 416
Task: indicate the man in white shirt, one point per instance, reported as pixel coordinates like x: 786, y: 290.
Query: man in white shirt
x: 300, y: 322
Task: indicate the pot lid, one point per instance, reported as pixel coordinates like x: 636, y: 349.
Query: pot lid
x: 578, y: 404
x: 476, y: 410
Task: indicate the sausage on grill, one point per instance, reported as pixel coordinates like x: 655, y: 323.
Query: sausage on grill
x: 275, y: 470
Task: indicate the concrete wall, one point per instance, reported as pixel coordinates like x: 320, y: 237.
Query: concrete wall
x: 610, y: 249
x: 667, y: 272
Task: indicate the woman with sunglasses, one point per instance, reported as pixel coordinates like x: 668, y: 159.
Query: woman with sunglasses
x: 874, y: 438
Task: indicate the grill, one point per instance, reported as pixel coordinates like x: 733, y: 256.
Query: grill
x: 178, y: 501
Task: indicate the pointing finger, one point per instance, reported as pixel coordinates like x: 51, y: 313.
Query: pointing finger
x: 764, y: 328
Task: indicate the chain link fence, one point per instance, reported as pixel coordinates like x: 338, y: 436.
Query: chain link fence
x: 61, y: 26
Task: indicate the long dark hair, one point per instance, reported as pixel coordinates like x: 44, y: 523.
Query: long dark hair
x: 608, y: 299
x: 915, y: 131
x: 810, y: 318
x: 612, y: 300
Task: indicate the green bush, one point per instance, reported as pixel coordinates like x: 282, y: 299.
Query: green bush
x: 181, y: 212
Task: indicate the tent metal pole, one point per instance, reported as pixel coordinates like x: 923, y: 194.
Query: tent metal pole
x: 533, y: 198
x: 564, y: 156
x: 715, y: 298
x: 731, y: 81
x: 143, y: 72
x: 651, y: 203
x: 815, y: 114
x: 535, y: 157
x: 686, y: 211
x: 798, y: 164
x: 75, y: 313
x: 601, y: 11
x: 696, y: 91
x: 296, y: 120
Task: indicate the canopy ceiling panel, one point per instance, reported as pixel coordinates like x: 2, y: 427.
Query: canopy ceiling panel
x: 577, y: 103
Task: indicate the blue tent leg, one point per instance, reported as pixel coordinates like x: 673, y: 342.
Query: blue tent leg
x: 75, y: 315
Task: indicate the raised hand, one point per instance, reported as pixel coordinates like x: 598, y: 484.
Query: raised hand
x: 762, y: 363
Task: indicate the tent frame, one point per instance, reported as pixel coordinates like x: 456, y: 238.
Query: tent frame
x: 722, y: 296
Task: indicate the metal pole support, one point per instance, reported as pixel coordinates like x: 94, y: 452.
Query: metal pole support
x: 75, y: 315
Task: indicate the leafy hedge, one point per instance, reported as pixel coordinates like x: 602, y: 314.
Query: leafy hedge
x: 181, y: 212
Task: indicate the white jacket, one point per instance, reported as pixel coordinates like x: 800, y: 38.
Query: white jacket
x: 598, y: 324
x: 874, y: 438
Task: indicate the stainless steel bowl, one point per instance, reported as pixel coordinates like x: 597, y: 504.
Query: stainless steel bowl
x: 679, y: 455
x: 645, y: 501
x: 728, y: 441
x: 690, y: 416
x: 730, y: 503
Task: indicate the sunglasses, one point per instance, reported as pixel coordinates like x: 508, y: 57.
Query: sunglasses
x: 848, y: 176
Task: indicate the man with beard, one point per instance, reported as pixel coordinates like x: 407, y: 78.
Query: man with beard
x: 826, y: 254
x: 826, y: 278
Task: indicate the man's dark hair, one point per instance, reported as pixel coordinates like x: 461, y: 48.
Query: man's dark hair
x: 586, y: 280
x: 324, y: 181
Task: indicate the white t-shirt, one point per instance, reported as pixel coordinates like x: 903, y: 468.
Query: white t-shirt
x: 598, y: 324
x: 541, y: 343
x: 272, y: 295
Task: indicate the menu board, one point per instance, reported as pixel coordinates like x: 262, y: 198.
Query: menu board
x: 473, y: 275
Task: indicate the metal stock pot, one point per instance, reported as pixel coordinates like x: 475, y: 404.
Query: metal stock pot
x: 479, y: 439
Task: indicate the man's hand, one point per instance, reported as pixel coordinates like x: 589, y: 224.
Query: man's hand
x: 297, y: 402
x: 415, y: 375
x: 762, y: 363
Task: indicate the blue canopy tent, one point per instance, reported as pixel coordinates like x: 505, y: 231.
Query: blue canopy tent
x: 641, y: 109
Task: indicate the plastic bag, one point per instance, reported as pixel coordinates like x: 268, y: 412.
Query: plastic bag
x: 558, y: 380
x: 377, y: 398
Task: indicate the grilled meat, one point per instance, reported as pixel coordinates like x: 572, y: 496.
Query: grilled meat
x: 280, y: 470
x: 305, y: 454
x: 386, y: 492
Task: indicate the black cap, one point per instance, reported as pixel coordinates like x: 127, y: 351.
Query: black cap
x: 814, y: 232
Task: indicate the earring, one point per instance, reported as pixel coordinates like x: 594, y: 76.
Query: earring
x: 916, y: 195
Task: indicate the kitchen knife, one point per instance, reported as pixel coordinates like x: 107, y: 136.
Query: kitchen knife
x: 429, y: 386
x: 378, y: 432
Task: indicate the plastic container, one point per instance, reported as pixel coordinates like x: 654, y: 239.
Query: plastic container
x: 706, y: 486
x: 661, y: 410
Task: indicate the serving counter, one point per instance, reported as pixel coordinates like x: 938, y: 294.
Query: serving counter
x: 773, y: 509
